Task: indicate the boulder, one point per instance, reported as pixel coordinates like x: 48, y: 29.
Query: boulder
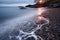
x: 21, y: 7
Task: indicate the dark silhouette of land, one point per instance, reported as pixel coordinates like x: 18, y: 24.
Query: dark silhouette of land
x: 45, y: 4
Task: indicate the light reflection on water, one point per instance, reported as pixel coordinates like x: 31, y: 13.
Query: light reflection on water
x: 41, y: 10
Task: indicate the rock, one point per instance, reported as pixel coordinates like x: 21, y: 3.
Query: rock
x: 55, y: 5
x: 21, y: 7
x: 34, y: 6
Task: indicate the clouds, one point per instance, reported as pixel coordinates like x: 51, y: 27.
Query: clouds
x: 16, y: 1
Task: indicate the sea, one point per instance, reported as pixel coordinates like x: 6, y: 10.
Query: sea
x: 12, y: 17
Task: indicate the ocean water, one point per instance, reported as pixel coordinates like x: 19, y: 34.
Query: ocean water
x: 8, y: 12
x: 19, y: 24
x: 13, y: 16
x: 13, y: 20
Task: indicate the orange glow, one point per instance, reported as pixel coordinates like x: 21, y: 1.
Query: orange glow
x: 40, y: 1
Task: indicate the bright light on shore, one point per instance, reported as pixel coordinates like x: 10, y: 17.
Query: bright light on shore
x: 41, y: 1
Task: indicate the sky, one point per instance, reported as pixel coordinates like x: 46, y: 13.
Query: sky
x: 15, y: 1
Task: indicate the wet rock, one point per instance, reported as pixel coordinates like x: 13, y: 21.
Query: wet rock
x: 21, y: 7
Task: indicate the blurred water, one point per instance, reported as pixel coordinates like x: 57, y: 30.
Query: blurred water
x: 13, y: 17
x: 10, y: 12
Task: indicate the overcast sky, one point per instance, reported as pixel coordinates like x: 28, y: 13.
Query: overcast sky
x: 17, y: 1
